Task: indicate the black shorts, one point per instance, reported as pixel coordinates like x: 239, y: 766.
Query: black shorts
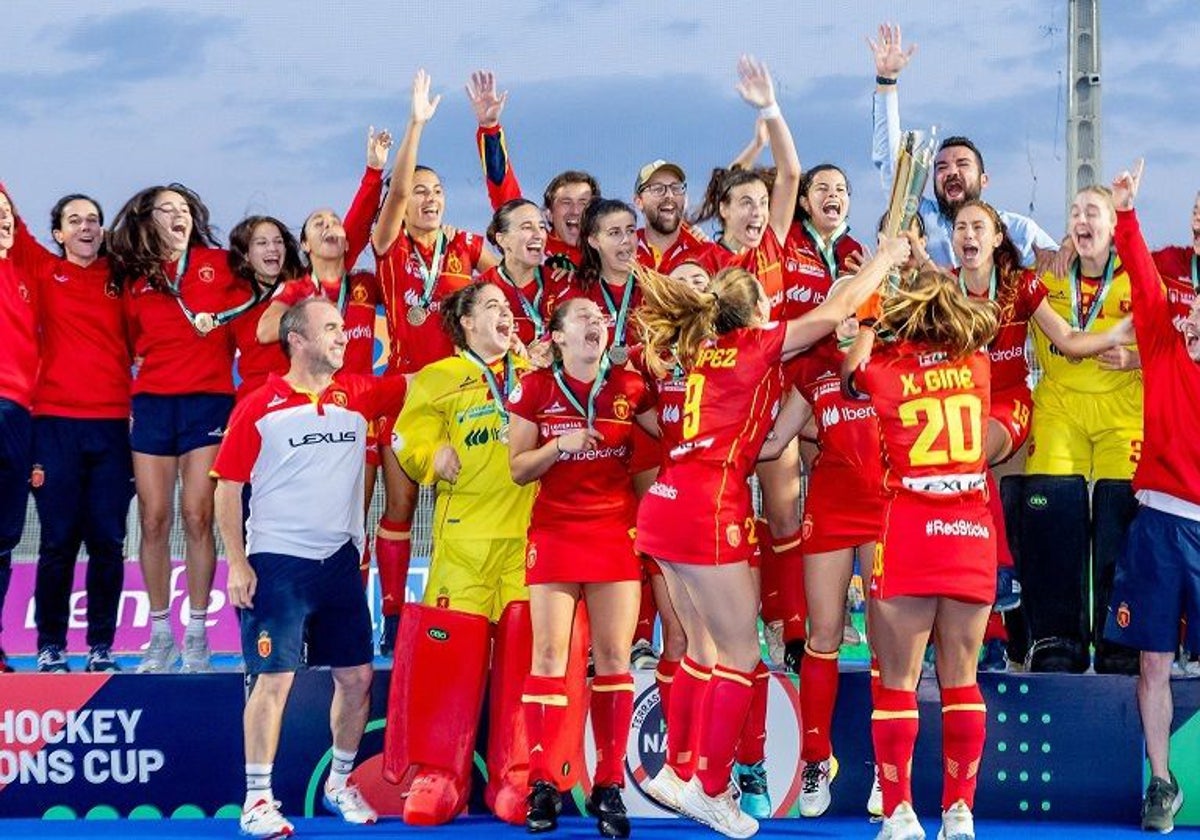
x: 298, y: 600
x: 175, y: 424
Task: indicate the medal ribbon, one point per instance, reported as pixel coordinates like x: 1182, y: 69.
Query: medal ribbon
x: 498, y: 394
x: 533, y: 311
x: 828, y: 253
x: 1195, y: 273
x: 343, y: 291
x: 962, y: 284
x: 429, y: 273
x: 619, y: 315
x: 1081, y: 320
x: 175, y: 289
x: 589, y: 413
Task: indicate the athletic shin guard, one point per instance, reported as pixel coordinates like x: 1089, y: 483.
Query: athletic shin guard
x: 393, y: 547
x: 964, y: 731
x: 894, y: 725
x: 730, y: 694
x: 612, y: 712
x: 1054, y: 560
x: 433, y: 711
x: 752, y: 744
x: 1113, y: 509
x: 688, y: 693
x: 818, y: 696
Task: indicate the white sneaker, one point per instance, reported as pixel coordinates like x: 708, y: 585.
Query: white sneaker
x: 773, y: 636
x: 264, y: 820
x: 875, y: 800
x: 815, y: 777
x: 642, y: 656
x: 666, y: 788
x: 347, y: 802
x: 957, y: 823
x: 901, y: 825
x: 197, y: 658
x: 720, y: 813
x: 160, y: 656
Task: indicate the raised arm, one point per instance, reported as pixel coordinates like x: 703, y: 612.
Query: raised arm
x: 1075, y: 344
x: 488, y: 105
x: 845, y: 297
x: 747, y: 157
x: 361, y: 214
x: 793, y: 416
x: 890, y: 59
x: 756, y: 87
x: 1151, y: 313
x: 391, y: 215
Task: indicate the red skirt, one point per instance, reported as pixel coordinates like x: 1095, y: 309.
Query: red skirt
x: 841, y: 510
x: 697, y: 514
x: 582, y: 551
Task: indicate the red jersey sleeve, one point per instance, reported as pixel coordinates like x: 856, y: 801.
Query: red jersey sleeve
x: 1030, y: 294
x: 30, y: 257
x: 529, y: 397
x: 361, y: 214
x: 502, y: 184
x: 242, y: 442
x: 1151, y: 313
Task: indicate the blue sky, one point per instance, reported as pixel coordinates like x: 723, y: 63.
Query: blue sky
x: 263, y: 106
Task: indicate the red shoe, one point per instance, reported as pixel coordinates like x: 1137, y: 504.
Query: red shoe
x: 433, y: 798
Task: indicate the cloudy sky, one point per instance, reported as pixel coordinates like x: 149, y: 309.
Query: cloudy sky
x: 263, y: 106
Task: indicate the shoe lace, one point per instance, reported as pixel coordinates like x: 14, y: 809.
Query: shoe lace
x: 752, y: 778
x: 49, y: 655
x: 810, y: 777
x: 1159, y: 794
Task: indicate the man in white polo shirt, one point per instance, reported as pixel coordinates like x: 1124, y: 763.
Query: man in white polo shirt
x: 300, y: 441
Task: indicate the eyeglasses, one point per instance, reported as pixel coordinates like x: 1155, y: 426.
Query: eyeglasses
x: 660, y: 190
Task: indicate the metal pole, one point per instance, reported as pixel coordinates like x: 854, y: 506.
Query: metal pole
x: 1084, y: 166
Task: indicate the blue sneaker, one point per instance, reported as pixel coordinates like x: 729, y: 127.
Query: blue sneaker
x: 751, y: 780
x: 1008, y: 590
x: 52, y: 659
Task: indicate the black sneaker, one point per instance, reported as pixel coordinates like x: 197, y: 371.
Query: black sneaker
x: 793, y: 653
x: 606, y: 805
x: 545, y: 804
x: 387, y: 641
x: 5, y: 668
x: 100, y: 660
x: 1163, y: 801
x: 52, y: 659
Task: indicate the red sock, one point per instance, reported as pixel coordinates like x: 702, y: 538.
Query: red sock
x: 393, y: 546
x: 876, y: 682
x: 644, y: 632
x: 612, y: 712
x: 683, y: 726
x: 964, y: 730
x: 770, y: 570
x: 996, y: 507
x: 894, y: 726
x: 730, y: 694
x: 664, y: 675
x: 790, y: 555
x: 995, y: 628
x: 818, y: 694
x: 753, y: 741
x: 544, y: 702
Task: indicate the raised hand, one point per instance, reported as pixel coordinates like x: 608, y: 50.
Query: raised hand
x: 423, y: 108
x: 895, y: 249
x: 1125, y: 185
x: 378, y: 146
x: 889, y: 52
x: 754, y: 82
x: 485, y: 101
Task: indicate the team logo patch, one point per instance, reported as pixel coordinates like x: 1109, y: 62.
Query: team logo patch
x: 264, y: 644
x: 806, y: 528
x: 37, y: 476
x: 443, y: 599
x: 531, y: 556
x: 454, y: 264
x: 339, y: 398
x: 24, y: 292
x: 1123, y: 615
x: 621, y: 407
x: 1038, y: 502
x: 359, y: 295
x: 437, y: 634
x: 733, y: 535
x: 208, y: 274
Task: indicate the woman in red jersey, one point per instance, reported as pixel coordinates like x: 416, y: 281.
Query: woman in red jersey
x: 572, y: 427
x: 934, y: 568
x: 696, y: 519
x: 419, y: 263
x: 18, y: 370
x: 82, y: 480
x: 178, y: 293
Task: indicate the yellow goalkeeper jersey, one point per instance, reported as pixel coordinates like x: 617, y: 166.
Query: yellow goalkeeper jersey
x: 450, y: 402
x: 1088, y: 306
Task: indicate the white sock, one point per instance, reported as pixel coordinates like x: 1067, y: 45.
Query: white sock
x: 340, y: 769
x: 160, y: 623
x: 197, y: 619
x: 258, y: 785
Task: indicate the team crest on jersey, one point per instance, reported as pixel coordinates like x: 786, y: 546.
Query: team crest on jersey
x: 264, y: 644
x: 621, y: 408
x: 454, y: 264
x: 359, y: 294
x: 207, y: 274
x: 531, y: 556
x: 1123, y: 615
x: 806, y: 528
x: 733, y: 535
x: 339, y: 398
x: 23, y: 291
